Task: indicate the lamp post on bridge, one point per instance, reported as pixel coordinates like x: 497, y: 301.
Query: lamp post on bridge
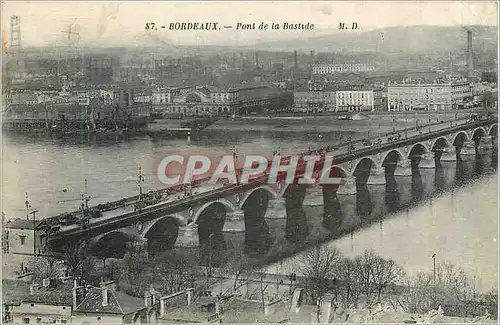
x: 139, y: 183
x: 434, y: 267
x: 34, y: 231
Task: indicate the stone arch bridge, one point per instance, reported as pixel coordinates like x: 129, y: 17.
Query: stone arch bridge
x: 241, y: 208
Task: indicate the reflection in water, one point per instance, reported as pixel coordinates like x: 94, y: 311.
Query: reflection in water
x: 364, y: 206
x: 439, y: 180
x: 417, y: 186
x: 391, y: 194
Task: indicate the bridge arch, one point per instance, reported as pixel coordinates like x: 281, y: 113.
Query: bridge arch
x: 418, y: 149
x: 177, y: 217
x: 266, y: 188
x: 162, y: 234
x: 229, y: 207
x: 113, y: 244
x: 459, y: 138
x: 391, y: 156
x: 440, y: 143
x: 334, y: 171
x: 363, y: 163
x: 210, y: 219
x: 493, y: 130
x: 478, y: 133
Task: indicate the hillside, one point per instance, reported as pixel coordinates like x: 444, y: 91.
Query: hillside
x: 416, y: 39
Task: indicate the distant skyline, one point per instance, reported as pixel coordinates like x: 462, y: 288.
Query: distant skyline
x: 123, y: 23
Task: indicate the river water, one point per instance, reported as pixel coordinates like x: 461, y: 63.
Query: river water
x: 450, y: 211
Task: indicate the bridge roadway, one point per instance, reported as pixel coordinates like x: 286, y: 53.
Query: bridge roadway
x: 342, y: 154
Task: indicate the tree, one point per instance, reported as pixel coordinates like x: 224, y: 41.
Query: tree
x: 385, y: 272
x: 451, y: 288
x: 73, y: 256
x: 320, y: 266
x: 134, y: 273
x: 348, y: 274
x: 176, y: 271
x: 368, y: 276
x: 491, y: 302
x: 46, y: 267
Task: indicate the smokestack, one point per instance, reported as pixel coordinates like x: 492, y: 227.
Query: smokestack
x: 470, y: 67
x: 295, y: 61
x: 256, y: 59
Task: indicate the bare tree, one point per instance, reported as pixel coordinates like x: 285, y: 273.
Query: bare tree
x: 348, y: 274
x: 176, y: 272
x: 368, y: 276
x: 46, y: 267
x: 320, y: 266
x: 451, y: 288
x: 384, y: 275
x: 73, y: 256
x: 491, y: 302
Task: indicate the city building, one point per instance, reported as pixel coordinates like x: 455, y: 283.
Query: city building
x: 380, y: 99
x: 61, y: 300
x: 20, y: 237
x: 239, y: 99
x: 314, y: 99
x: 350, y: 100
x: 105, y: 304
x: 331, y: 68
x: 429, y: 96
x: 25, y: 303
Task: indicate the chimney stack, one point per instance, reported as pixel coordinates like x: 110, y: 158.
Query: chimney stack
x: 470, y: 67
x: 33, y: 288
x: 256, y: 59
x: 104, y: 290
x: 295, y: 60
x: 75, y: 287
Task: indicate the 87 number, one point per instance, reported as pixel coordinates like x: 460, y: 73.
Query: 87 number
x: 150, y: 26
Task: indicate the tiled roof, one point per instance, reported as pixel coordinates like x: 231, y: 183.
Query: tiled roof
x: 118, y: 303
x: 60, y: 295
x: 15, y: 292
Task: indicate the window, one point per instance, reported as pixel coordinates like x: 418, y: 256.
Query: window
x: 26, y: 320
x: 63, y: 321
x: 38, y: 320
x: 98, y: 318
x: 23, y: 239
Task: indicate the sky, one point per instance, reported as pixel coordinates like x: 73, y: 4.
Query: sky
x: 121, y: 23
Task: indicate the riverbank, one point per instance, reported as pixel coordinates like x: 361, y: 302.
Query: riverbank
x: 380, y: 122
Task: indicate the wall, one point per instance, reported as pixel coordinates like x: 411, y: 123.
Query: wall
x: 45, y: 313
x: 16, y: 245
x: 96, y: 319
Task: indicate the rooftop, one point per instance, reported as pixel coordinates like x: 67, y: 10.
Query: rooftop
x: 14, y: 292
x: 118, y: 302
x: 21, y: 224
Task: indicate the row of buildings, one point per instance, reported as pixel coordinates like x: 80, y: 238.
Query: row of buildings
x: 402, y: 96
x: 318, y: 96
